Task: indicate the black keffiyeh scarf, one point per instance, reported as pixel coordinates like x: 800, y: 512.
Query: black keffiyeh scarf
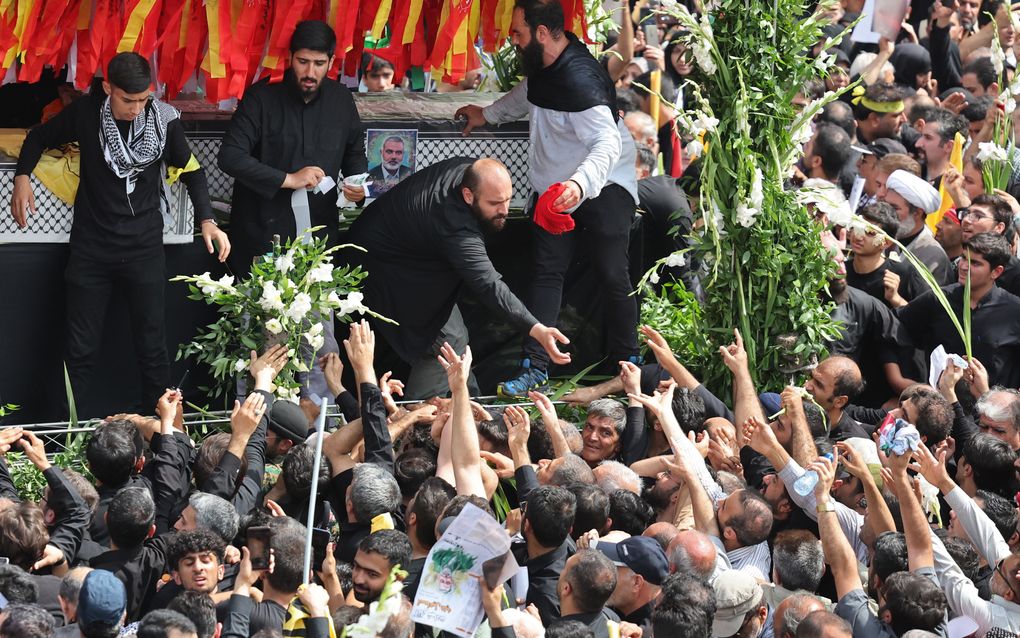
x: 146, y: 139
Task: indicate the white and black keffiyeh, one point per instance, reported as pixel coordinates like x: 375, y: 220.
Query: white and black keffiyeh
x: 145, y: 141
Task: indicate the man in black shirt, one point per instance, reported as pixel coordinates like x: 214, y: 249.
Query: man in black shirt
x: 282, y: 141
x: 892, y: 281
x: 425, y: 239
x: 117, y: 236
x: 995, y: 332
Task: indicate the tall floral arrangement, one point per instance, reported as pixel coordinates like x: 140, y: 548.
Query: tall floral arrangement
x: 285, y: 299
x: 763, y: 262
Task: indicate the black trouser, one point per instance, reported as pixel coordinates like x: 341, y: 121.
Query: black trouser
x: 603, y: 225
x: 90, y: 284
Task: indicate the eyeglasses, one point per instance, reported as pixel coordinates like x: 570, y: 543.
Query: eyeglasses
x: 973, y: 214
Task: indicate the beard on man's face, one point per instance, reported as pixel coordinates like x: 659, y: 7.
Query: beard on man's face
x: 489, y: 226
x: 531, y: 57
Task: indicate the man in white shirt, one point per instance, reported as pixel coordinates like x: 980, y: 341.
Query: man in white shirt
x: 579, y: 142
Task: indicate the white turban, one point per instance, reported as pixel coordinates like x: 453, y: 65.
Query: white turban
x: 915, y: 190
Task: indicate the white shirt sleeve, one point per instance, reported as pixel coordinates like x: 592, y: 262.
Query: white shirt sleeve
x: 981, y: 530
x: 511, y: 107
x: 597, y: 129
x: 849, y: 520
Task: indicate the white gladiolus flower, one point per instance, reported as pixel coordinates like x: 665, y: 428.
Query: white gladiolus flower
x: 704, y: 123
x: 240, y: 365
x: 271, y: 299
x: 746, y: 215
x: 824, y: 60
x: 654, y: 277
x: 756, y: 197
x: 991, y: 151
x: 998, y: 57
x: 287, y: 394
x: 285, y: 262
x: 315, y: 340
x: 353, y: 303
x: 322, y: 273
x: 694, y: 149
x: 206, y: 284
x: 299, y: 307
x: 274, y: 326
x: 718, y: 220
x: 316, y: 329
x: 333, y: 300
x: 676, y: 260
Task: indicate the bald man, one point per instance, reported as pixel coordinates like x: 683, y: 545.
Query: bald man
x: 424, y: 240
x: 833, y: 384
x: 694, y: 552
x: 792, y: 611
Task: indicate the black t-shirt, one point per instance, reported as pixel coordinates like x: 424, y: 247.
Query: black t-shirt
x: 873, y: 282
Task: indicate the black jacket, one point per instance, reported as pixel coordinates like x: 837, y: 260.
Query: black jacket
x: 423, y: 242
x: 274, y: 132
x: 110, y: 225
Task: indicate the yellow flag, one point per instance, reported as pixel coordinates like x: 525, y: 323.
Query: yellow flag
x: 956, y: 161
x: 381, y: 522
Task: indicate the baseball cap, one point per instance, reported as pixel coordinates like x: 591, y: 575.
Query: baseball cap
x: 642, y: 555
x: 102, y: 599
x: 736, y: 593
x: 288, y: 421
x: 881, y: 147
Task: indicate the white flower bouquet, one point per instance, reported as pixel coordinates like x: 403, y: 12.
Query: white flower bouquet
x: 285, y: 299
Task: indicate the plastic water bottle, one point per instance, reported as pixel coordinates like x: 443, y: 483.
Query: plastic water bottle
x: 807, y: 481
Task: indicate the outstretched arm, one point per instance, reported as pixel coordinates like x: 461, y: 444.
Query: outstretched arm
x: 464, y: 449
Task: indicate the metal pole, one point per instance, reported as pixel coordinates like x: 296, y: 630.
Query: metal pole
x: 320, y: 426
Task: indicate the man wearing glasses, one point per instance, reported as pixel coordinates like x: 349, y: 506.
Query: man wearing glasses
x: 992, y: 214
x: 127, y: 141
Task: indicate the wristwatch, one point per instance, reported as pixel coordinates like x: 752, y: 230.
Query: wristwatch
x: 827, y: 506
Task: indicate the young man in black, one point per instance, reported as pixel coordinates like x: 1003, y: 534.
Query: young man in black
x: 126, y: 138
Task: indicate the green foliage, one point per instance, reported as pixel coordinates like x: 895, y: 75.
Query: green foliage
x: 765, y: 265
x: 31, y: 483
x: 281, y: 301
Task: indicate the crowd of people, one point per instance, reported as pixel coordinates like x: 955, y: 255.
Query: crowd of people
x: 876, y: 500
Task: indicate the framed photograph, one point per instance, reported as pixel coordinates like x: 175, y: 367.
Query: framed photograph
x: 392, y: 155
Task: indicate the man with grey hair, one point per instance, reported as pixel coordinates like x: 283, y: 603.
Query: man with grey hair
x: 566, y: 470
x: 999, y: 415
x: 792, y: 611
x: 613, y: 475
x: 209, y: 511
x: 603, y: 429
x: 642, y: 129
x: 70, y: 586
x: 373, y: 491
x: 797, y: 565
x: 693, y: 552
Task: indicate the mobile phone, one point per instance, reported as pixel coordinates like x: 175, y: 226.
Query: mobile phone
x: 258, y: 546
x: 320, y: 542
x: 651, y: 29
x: 492, y: 568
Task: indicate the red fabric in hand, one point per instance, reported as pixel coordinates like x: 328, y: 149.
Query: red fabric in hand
x: 553, y: 221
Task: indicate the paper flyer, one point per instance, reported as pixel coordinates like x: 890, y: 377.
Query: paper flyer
x: 448, y: 597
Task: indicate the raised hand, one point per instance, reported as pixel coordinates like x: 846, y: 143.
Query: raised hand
x: 734, y: 355
x: 549, y: 338
x: 35, y: 450
x: 8, y: 437
x: 657, y: 344
x: 360, y: 347
x: 852, y: 461
x: 333, y: 370
x: 245, y: 417
x: 760, y: 436
x: 546, y: 409
x: 978, y: 378
x: 660, y: 403
x: 518, y: 426
x: 630, y: 375
x: 266, y: 366
x: 933, y: 468
x: 826, y: 470
x: 166, y: 406
x: 458, y: 368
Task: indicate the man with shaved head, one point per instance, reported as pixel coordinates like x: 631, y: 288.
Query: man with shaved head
x: 425, y: 240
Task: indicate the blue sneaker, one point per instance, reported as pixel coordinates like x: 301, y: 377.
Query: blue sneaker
x: 527, y: 379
